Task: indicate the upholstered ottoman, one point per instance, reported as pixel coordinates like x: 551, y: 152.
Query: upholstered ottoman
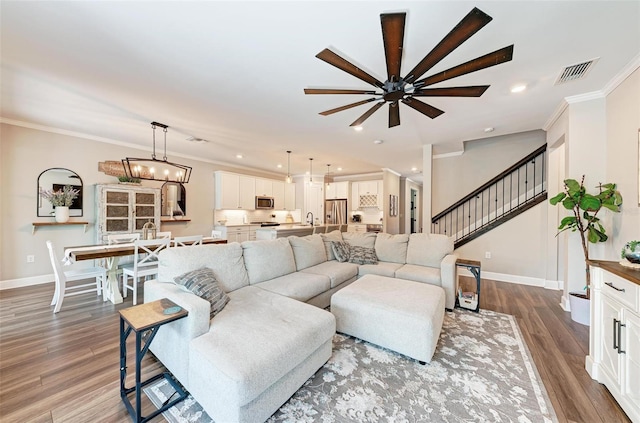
x: 401, y: 315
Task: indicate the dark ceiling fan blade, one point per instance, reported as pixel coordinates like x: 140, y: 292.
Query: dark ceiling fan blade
x: 471, y: 91
x: 343, y: 64
x: 393, y: 37
x: 469, y: 25
x: 368, y: 113
x: 394, y: 114
x: 423, y: 108
x: 336, y: 91
x: 495, y: 58
x: 348, y: 106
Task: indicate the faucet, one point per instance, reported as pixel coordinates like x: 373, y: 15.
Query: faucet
x: 310, y: 221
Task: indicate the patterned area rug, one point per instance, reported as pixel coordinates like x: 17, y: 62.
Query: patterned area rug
x: 481, y: 372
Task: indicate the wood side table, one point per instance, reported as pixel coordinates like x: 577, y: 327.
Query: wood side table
x: 145, y: 320
x: 470, y: 303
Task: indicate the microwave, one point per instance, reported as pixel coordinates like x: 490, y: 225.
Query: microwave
x: 264, y: 203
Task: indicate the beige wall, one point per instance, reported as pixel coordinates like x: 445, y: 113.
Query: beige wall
x: 391, y: 186
x: 24, y: 153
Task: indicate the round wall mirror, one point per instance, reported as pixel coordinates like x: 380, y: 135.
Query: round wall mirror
x: 174, y: 199
x: 55, y: 179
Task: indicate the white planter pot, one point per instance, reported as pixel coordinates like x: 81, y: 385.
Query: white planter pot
x: 580, y: 309
x: 62, y: 214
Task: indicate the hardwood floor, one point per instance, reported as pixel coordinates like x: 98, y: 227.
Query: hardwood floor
x: 64, y: 367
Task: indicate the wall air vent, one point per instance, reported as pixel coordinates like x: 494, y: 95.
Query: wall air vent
x: 577, y: 71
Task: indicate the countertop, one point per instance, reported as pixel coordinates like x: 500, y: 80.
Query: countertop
x: 616, y: 268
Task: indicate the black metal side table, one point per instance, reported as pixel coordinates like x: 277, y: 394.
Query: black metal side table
x: 470, y: 303
x: 145, y: 320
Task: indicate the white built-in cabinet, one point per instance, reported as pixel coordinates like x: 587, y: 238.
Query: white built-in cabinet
x: 336, y: 190
x: 239, y: 233
x: 124, y: 208
x: 237, y: 191
x: 373, y: 190
x: 358, y: 228
x: 614, y: 341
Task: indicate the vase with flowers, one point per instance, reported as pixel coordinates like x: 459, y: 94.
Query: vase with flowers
x: 61, y: 200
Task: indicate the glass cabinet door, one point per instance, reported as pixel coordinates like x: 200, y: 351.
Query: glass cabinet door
x: 117, y: 211
x: 145, y: 209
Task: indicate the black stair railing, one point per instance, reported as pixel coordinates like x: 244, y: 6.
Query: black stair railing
x: 512, y: 192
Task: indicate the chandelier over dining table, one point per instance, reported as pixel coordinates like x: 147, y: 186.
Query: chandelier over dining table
x: 154, y: 169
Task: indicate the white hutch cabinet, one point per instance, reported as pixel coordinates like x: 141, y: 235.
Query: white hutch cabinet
x: 125, y: 209
x: 614, y: 334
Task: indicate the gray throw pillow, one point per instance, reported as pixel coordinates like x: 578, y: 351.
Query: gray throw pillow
x: 362, y: 255
x: 341, y: 250
x: 202, y: 282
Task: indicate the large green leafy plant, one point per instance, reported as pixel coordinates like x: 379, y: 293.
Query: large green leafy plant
x: 585, y: 208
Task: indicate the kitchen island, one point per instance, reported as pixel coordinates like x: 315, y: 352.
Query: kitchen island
x: 285, y: 230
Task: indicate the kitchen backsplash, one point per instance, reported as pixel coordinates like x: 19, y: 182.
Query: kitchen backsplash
x: 239, y: 217
x: 368, y: 215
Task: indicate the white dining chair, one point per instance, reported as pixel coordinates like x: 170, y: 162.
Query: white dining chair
x: 145, y: 263
x: 166, y: 234
x: 187, y: 241
x: 98, y: 274
x: 216, y: 234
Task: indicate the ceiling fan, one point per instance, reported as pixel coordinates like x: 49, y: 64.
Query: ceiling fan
x: 405, y: 89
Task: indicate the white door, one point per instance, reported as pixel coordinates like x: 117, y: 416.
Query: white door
x: 315, y: 202
x: 610, y: 356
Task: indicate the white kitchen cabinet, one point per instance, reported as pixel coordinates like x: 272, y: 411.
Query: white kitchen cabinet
x: 614, y: 341
x: 356, y: 228
x: 237, y: 233
x: 125, y: 209
x: 365, y: 194
x: 290, y: 196
x: 235, y: 191
x: 355, y: 196
x: 278, y: 195
x: 379, y: 193
x: 368, y: 187
x: 336, y: 190
x: 264, y: 187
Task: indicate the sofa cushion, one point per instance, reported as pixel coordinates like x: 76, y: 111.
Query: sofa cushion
x: 392, y: 248
x: 327, y: 238
x: 359, y: 239
x: 202, y: 282
x: 254, y: 342
x: 383, y: 268
x: 308, y: 250
x: 341, y: 250
x: 336, y: 271
x: 225, y: 260
x: 428, y: 249
x: 298, y: 285
x: 268, y: 259
x: 362, y: 255
x: 411, y: 272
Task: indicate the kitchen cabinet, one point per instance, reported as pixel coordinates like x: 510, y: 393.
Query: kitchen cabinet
x: 290, y: 196
x: 367, y: 194
x: 264, y: 187
x: 336, y: 190
x: 125, y: 209
x: 614, y: 341
x: 237, y: 233
x: 379, y: 193
x: 356, y: 228
x: 278, y: 195
x: 235, y: 191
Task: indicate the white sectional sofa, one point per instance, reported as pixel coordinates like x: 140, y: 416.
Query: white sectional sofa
x: 243, y: 364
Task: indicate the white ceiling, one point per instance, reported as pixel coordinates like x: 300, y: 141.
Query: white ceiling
x: 234, y: 72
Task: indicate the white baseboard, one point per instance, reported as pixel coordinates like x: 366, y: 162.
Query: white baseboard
x: 565, y: 304
x: 522, y: 280
x: 19, y: 283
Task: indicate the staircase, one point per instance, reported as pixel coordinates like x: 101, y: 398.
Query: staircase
x: 512, y: 192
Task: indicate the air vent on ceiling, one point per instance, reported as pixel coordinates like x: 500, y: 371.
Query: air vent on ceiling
x: 577, y: 71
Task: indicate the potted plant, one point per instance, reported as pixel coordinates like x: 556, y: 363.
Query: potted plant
x: 124, y: 179
x: 60, y: 200
x: 585, y: 208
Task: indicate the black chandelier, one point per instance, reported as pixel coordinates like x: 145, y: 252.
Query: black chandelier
x: 154, y: 169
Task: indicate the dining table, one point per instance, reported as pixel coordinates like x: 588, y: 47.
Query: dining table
x: 111, y: 255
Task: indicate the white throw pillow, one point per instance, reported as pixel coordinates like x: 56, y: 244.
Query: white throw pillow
x: 308, y: 250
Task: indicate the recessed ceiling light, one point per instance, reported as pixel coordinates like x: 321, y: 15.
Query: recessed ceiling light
x: 238, y: 156
x: 339, y: 169
x: 358, y: 128
x: 518, y: 88
x: 378, y: 141
x: 489, y: 129
x: 279, y: 166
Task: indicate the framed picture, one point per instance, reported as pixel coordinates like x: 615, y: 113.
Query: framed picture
x: 393, y: 205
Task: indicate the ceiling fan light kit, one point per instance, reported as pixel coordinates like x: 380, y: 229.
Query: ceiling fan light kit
x: 397, y: 89
x: 154, y: 169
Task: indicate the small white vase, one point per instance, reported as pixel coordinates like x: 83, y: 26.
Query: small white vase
x: 580, y: 309
x: 62, y: 214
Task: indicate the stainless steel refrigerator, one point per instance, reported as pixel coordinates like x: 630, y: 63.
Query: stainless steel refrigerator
x: 336, y: 212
